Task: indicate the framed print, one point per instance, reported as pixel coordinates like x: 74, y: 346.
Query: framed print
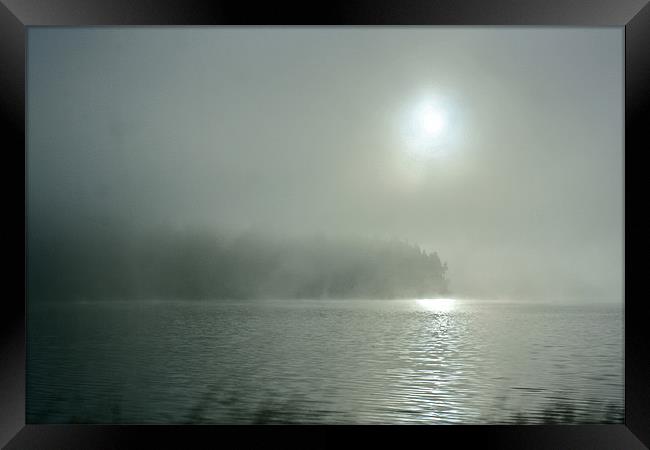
x: 369, y: 214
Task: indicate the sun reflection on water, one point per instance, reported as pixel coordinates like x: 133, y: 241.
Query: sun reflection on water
x: 437, y: 304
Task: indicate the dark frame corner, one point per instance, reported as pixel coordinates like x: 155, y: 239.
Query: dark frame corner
x: 17, y: 15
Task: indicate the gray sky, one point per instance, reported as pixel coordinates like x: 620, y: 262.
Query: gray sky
x: 304, y: 130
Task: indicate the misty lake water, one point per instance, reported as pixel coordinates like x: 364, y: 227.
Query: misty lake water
x: 324, y: 361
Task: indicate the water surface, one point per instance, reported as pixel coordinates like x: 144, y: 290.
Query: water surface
x: 324, y: 361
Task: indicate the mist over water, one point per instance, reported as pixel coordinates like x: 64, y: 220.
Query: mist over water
x: 300, y: 132
x: 312, y: 225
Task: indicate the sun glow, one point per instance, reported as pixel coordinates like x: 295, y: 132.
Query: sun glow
x: 431, y: 121
x: 428, y: 129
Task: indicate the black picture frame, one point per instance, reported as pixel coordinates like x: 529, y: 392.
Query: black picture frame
x: 17, y: 15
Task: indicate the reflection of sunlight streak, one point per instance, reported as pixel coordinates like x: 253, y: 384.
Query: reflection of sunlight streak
x: 437, y: 304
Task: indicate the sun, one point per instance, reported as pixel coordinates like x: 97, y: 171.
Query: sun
x: 431, y: 121
x: 427, y: 129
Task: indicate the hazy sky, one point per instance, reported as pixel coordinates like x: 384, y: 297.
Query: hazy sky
x: 303, y: 130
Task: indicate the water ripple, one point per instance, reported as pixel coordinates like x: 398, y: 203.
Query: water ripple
x: 323, y: 362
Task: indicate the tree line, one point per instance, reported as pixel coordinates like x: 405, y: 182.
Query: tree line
x: 208, y: 265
